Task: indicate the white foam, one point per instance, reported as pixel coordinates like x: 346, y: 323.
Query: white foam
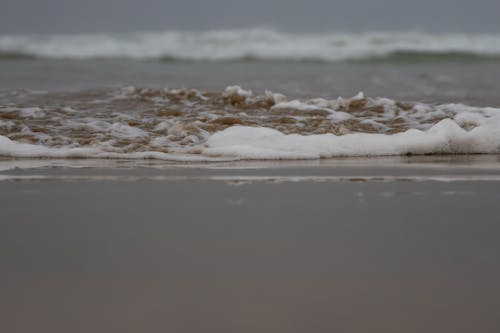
x: 127, y: 132
x: 295, y: 105
x: 236, y: 94
x: 34, y: 112
x: 339, y: 116
x: 237, y: 91
x: 446, y: 137
x: 275, y: 97
x: 15, y: 149
x: 6, y: 124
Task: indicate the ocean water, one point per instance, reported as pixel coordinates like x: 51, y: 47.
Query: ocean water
x: 99, y: 232
x: 248, y: 94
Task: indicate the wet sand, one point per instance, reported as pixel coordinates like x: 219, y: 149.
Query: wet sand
x: 125, y: 250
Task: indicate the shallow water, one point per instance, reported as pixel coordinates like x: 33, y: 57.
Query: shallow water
x: 474, y: 83
x: 98, y: 233
x: 420, y: 98
x: 198, y: 125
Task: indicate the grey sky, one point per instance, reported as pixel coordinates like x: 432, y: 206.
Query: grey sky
x: 91, y: 16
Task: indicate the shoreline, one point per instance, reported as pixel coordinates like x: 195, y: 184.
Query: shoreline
x: 392, y: 168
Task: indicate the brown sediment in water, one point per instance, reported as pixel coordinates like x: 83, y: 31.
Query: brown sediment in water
x: 357, y: 104
x: 167, y: 113
x: 405, y: 106
x: 9, y: 115
x: 357, y: 125
x: 229, y: 121
x: 299, y: 113
x: 188, y: 116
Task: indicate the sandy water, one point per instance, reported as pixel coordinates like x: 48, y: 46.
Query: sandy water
x: 171, y: 110
x: 405, y: 244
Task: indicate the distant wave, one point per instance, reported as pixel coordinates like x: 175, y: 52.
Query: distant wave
x: 256, y: 45
x: 431, y: 56
x: 16, y: 56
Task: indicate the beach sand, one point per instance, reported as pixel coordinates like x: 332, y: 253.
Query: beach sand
x: 390, y: 244
x: 353, y: 245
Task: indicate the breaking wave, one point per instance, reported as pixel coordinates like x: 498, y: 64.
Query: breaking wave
x: 256, y: 45
x: 193, y: 125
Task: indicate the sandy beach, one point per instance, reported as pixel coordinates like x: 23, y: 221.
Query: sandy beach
x: 256, y: 167
x: 353, y: 245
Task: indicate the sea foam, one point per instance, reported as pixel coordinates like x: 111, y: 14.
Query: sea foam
x: 446, y: 137
x: 193, y: 125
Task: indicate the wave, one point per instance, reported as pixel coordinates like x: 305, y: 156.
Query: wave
x: 193, y: 125
x: 430, y: 56
x: 256, y: 45
x: 16, y: 56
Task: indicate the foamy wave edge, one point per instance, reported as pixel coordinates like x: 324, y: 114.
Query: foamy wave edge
x: 440, y: 129
x: 446, y: 137
x: 260, y: 143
